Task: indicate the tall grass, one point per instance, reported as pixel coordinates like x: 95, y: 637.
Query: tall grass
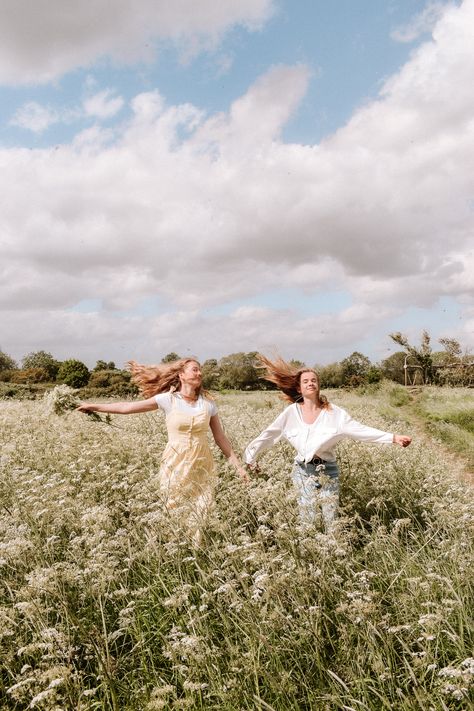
x: 105, y: 604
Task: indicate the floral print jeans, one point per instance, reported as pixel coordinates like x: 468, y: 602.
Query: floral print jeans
x: 317, y: 487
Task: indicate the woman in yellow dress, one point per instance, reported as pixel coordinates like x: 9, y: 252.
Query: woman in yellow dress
x: 187, y: 472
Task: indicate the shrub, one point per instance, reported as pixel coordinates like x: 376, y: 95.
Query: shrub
x: 43, y: 360
x: 74, y: 373
x: 30, y: 375
x: 7, y: 362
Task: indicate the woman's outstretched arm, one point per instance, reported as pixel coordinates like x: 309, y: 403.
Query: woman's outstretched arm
x: 225, y: 446
x: 120, y: 408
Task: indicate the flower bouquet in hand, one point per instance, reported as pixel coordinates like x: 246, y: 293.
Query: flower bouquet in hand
x: 63, y: 399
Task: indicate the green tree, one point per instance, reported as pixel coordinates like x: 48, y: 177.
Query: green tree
x: 210, y: 374
x: 170, y: 357
x: 43, y: 360
x: 330, y: 375
x: 102, y: 365
x: 355, y: 369
x: 7, y: 362
x: 74, y: 373
x: 422, y: 355
x: 453, y: 367
x: 452, y: 350
x: 392, y: 367
x: 238, y: 371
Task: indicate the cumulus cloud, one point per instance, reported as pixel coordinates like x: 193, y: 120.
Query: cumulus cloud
x: 420, y: 23
x: 202, y: 210
x: 126, y: 32
x: 103, y: 104
x: 35, y: 117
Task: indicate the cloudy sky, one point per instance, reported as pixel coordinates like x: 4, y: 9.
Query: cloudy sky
x: 213, y: 176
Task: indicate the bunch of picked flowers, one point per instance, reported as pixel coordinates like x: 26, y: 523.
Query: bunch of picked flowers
x: 62, y: 399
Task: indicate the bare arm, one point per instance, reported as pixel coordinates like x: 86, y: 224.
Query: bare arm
x: 225, y: 446
x: 120, y: 408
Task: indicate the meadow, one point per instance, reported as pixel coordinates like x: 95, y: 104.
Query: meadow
x: 106, y: 605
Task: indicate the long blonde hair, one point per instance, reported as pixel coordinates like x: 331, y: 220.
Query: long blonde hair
x: 154, y: 379
x: 287, y: 378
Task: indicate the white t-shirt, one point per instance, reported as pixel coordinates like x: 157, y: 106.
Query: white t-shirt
x: 319, y: 439
x: 165, y: 402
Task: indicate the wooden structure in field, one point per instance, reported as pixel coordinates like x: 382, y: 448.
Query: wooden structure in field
x: 462, y: 371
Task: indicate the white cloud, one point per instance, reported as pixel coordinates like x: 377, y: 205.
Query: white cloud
x: 103, y: 104
x: 35, y: 117
x: 420, y: 23
x: 200, y: 210
x: 127, y: 32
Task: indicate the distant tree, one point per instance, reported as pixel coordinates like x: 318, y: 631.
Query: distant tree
x: 374, y: 374
x: 210, y: 374
x: 422, y: 356
x: 453, y: 367
x: 110, y: 378
x: 355, y: 369
x: 170, y: 357
x: 330, y: 376
x: 392, y: 367
x: 297, y: 363
x: 74, y: 373
x: 7, y: 362
x: 238, y: 371
x: 43, y: 360
x: 102, y: 365
x: 452, y: 350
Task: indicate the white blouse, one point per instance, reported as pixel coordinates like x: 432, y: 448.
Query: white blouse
x: 318, y: 439
x: 165, y: 403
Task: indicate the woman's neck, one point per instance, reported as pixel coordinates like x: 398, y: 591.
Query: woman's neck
x: 312, y: 403
x: 188, y: 393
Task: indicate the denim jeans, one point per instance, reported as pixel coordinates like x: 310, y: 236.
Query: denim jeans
x: 317, y: 486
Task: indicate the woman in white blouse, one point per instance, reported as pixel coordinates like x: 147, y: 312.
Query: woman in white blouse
x: 313, y: 426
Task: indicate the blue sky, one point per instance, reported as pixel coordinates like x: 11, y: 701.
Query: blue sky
x: 259, y: 175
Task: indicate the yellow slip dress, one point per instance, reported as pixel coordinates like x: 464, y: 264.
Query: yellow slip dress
x: 187, y: 474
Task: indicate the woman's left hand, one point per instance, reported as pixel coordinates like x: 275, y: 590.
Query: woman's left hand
x: 402, y: 440
x: 244, y: 475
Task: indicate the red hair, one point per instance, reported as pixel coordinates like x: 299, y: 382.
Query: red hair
x: 154, y: 379
x: 287, y: 378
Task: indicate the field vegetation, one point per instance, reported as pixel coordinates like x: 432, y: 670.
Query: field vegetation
x: 106, y: 605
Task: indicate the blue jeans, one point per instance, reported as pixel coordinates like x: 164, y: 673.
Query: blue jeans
x: 317, y: 486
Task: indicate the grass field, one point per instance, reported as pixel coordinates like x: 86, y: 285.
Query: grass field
x: 106, y: 605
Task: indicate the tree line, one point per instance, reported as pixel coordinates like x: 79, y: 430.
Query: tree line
x: 412, y: 365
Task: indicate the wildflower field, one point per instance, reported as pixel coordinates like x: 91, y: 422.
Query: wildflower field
x: 105, y: 605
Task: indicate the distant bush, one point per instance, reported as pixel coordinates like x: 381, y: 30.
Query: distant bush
x: 30, y: 375
x: 109, y: 383
x: 22, y: 391
x: 7, y: 362
x: 74, y: 373
x: 6, y: 375
x: 43, y: 360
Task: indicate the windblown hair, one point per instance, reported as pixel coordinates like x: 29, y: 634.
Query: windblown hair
x: 287, y: 378
x: 154, y: 379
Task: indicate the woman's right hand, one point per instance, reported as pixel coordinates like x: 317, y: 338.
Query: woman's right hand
x: 86, y: 407
x: 254, y: 468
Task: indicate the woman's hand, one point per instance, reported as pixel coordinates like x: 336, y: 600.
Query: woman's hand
x: 254, y: 468
x: 86, y: 407
x: 401, y: 440
x: 244, y: 475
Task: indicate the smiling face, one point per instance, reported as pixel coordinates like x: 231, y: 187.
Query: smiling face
x: 309, y: 384
x: 191, y: 375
